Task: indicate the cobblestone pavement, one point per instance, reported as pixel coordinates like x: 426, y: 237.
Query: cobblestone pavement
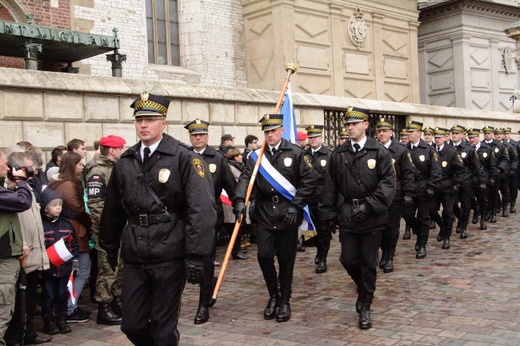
x: 468, y: 295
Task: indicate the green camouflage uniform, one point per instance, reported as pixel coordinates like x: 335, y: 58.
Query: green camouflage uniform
x: 108, y: 282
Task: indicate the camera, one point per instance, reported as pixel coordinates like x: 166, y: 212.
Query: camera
x: 29, y: 172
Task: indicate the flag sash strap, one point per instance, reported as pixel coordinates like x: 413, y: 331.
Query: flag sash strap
x: 282, y: 185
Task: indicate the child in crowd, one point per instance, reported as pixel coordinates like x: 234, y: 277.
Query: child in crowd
x: 55, y: 279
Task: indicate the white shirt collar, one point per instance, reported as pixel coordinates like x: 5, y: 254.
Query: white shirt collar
x: 200, y: 152
x: 152, y: 147
x: 361, y: 143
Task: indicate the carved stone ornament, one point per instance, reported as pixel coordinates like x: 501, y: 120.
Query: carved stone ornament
x: 357, y: 28
x: 507, y: 60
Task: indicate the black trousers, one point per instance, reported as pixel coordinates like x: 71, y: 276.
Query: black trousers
x: 513, y: 187
x: 391, y: 232
x: 359, y: 252
x: 464, y: 197
x: 282, y: 244
x: 504, y: 191
x: 418, y: 216
x: 152, y: 302
x: 323, y: 235
x: 448, y: 218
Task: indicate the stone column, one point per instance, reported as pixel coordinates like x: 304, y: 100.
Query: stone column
x: 338, y: 61
x: 379, y: 59
x: 514, y: 32
x: 117, y: 60
x: 284, y: 49
x: 31, y: 55
x: 462, y: 76
x: 415, y: 88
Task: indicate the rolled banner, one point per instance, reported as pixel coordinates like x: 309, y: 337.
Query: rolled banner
x: 59, y: 253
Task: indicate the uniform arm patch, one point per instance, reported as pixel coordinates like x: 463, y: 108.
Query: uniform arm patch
x: 96, y: 186
x: 199, y: 167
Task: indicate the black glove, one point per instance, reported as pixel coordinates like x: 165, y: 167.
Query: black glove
x: 455, y: 188
x: 292, y: 215
x: 331, y: 226
x: 252, y: 205
x: 430, y: 193
x: 112, y: 260
x: 360, y: 214
x: 408, y: 201
x: 239, y: 209
x: 194, y: 270
x: 491, y: 182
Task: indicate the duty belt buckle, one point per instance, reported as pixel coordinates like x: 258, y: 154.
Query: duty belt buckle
x: 275, y: 199
x: 143, y: 220
x: 355, y: 203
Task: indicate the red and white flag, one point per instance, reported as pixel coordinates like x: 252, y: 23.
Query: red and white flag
x: 59, y: 253
x: 70, y: 288
x: 224, y: 198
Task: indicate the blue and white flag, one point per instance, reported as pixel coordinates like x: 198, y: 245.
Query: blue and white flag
x: 289, y: 118
x: 283, y: 186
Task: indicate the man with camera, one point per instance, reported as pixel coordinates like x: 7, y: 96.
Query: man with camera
x: 15, y: 199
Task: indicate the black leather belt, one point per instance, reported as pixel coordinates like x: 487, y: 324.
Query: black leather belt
x: 356, y: 202
x: 145, y: 219
x: 274, y: 199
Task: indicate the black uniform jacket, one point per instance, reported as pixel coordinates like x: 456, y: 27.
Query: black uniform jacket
x: 472, y: 163
x: 488, y: 160
x: 181, y: 180
x: 368, y: 176
x: 453, y: 170
x: 427, y: 170
x: 513, y: 157
x: 294, y: 164
x: 320, y: 163
x: 502, y: 156
x: 221, y: 174
x: 403, y: 170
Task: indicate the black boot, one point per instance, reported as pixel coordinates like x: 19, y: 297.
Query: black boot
x: 482, y: 224
x: 493, y: 217
x: 49, y: 325
x: 389, y: 264
x: 421, y: 249
x: 107, y: 316
x: 432, y: 224
x: 446, y: 243
x: 322, y: 266
x: 202, y: 315
x: 407, y: 233
x: 441, y: 235
x: 273, y: 303
x: 359, y: 301
x: 512, y: 208
x: 383, y: 259
x: 117, y: 306
x: 464, y: 230
x: 504, y: 210
x: 475, y: 217
x: 61, y: 323
x: 458, y: 229
x: 365, y: 321
x: 284, y: 312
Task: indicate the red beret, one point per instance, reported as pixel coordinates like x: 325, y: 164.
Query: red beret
x: 302, y: 136
x: 112, y: 141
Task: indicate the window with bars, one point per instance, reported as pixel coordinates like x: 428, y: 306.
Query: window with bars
x: 162, y: 28
x: 334, y: 122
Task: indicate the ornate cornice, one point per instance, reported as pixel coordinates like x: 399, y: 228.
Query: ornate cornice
x: 455, y: 6
x: 15, y: 9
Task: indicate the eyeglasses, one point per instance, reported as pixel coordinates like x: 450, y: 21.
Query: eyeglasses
x: 147, y: 120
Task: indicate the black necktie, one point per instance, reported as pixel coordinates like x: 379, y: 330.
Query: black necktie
x: 273, y: 151
x: 356, y: 147
x: 146, y: 155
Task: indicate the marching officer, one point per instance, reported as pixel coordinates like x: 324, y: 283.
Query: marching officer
x: 513, y: 174
x: 342, y: 136
x: 510, y: 181
x: 223, y: 178
x: 503, y: 165
x: 360, y: 183
x: 403, y: 139
x: 453, y: 173
x: 320, y: 156
x: 427, y: 177
x: 283, y: 188
x: 108, y: 281
x: 465, y: 192
x: 403, y: 195
x: 489, y: 163
x: 428, y: 135
x: 162, y: 214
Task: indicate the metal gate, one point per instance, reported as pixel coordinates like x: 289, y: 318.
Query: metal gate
x: 334, y: 122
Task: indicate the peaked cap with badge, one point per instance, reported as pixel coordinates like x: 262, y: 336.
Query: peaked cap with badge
x: 197, y: 126
x: 148, y: 105
x: 356, y: 115
x: 385, y: 124
x: 414, y: 125
x: 428, y: 129
x: 473, y: 132
x: 314, y: 130
x: 271, y: 121
x: 441, y: 132
x: 457, y: 128
x: 488, y: 129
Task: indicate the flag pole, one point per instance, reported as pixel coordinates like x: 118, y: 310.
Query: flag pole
x: 289, y: 69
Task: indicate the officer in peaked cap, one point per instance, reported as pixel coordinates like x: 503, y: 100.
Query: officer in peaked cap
x: 403, y: 195
x: 222, y: 178
x: 453, y: 173
x: 427, y: 177
x: 487, y: 158
x: 320, y: 155
x: 403, y: 137
x: 165, y: 230
x: 503, y: 165
x: 276, y: 214
x: 361, y: 182
x: 342, y: 136
x: 513, y: 173
x: 510, y: 181
x: 428, y: 135
x: 465, y: 191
